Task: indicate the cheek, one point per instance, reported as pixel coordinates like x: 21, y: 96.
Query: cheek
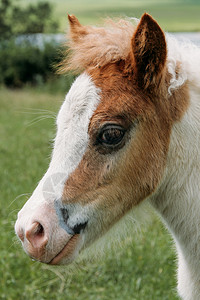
x: 94, y: 171
x: 143, y: 162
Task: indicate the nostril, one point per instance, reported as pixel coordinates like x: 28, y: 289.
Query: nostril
x: 39, y: 230
x: 35, y: 234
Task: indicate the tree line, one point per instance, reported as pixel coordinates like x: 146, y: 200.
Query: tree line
x: 25, y: 63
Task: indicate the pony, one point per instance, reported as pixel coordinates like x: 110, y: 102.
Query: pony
x: 127, y: 135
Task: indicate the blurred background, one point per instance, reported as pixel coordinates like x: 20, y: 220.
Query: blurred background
x: 31, y: 37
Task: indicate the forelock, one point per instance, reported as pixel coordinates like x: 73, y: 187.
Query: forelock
x: 96, y: 47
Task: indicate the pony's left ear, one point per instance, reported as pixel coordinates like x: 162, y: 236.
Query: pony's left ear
x: 76, y: 29
x: 149, y: 52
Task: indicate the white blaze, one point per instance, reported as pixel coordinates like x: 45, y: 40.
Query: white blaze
x: 71, y: 139
x: 72, y: 125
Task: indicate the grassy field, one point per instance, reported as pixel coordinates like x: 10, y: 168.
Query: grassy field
x: 172, y: 15
x: 142, y: 269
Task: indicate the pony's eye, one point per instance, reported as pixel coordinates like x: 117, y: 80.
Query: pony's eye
x: 111, y: 135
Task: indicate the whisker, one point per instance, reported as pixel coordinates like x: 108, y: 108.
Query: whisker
x: 36, y: 111
x: 13, y: 211
x: 58, y: 274
x: 48, y: 282
x: 14, y: 243
x: 19, y: 196
x: 41, y: 114
x: 38, y: 119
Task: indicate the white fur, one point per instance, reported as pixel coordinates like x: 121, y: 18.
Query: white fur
x: 184, y: 57
x: 178, y: 198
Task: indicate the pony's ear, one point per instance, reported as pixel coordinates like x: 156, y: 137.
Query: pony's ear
x: 149, y: 52
x: 76, y: 29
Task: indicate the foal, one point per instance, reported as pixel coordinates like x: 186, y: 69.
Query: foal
x: 127, y: 133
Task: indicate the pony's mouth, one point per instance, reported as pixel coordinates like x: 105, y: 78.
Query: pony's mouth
x: 67, y: 251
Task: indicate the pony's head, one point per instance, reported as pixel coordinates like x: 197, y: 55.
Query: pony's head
x: 113, y: 134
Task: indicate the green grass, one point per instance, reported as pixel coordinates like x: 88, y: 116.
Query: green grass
x: 142, y: 269
x: 172, y: 15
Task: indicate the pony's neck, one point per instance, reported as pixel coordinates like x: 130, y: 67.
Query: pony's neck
x: 178, y: 198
